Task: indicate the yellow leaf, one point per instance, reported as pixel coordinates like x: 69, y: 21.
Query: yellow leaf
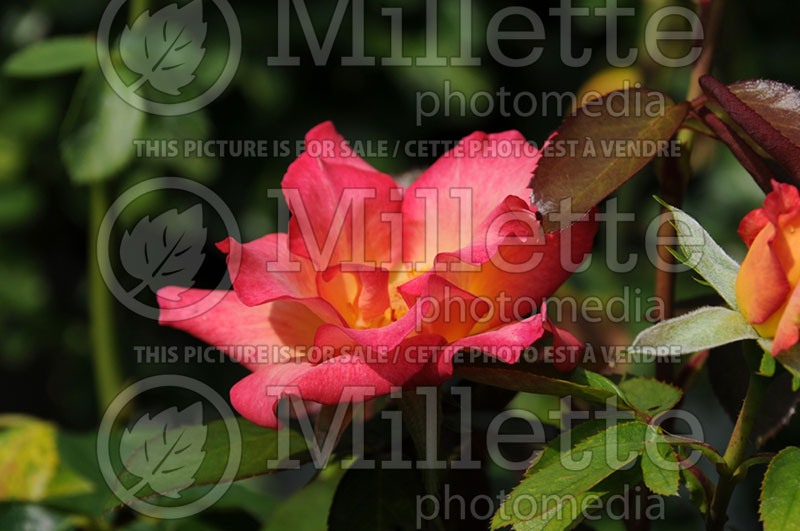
x: 30, y: 466
x: 608, y: 80
x: 28, y: 457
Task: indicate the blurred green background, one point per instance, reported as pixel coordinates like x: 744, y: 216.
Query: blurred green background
x: 45, y: 355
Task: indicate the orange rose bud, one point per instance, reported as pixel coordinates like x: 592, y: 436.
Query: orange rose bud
x: 767, y: 286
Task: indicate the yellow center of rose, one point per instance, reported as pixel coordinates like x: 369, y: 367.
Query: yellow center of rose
x: 364, y: 307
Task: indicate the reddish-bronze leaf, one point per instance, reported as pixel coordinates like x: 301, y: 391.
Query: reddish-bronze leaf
x: 600, y: 147
x: 776, y: 102
x: 767, y: 134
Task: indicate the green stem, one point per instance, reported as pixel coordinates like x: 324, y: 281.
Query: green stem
x: 102, y: 332
x: 107, y: 374
x: 734, y: 454
x: 755, y: 459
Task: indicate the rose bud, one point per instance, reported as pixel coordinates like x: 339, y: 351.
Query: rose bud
x: 766, y: 287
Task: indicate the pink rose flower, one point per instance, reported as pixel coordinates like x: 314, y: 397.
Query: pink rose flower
x: 377, y: 286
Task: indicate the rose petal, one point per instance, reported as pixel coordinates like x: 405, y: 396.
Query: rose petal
x: 381, y: 338
x: 442, y: 309
x: 269, y: 272
x: 513, y: 218
x: 360, y: 294
x: 784, y: 199
x: 761, y: 285
x: 788, y: 332
x: 786, y: 245
x: 515, y: 289
x: 446, y: 310
x: 752, y: 224
x: 251, y: 335
x: 567, y: 348
x: 505, y: 343
x: 342, y: 379
x: 481, y: 175
x: 317, y: 185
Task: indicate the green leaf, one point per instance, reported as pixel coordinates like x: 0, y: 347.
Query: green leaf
x: 553, y: 483
x: 259, y: 446
x: 697, y: 491
x: 519, y: 379
x: 660, y: 467
x: 376, y: 500
x: 308, y: 508
x: 551, y: 453
x: 650, y: 396
x: 780, y: 491
x: 67, y: 482
x: 99, y: 131
x: 597, y: 381
x: 51, y: 57
x: 704, y: 328
x: 576, y: 173
x: 542, y: 406
x: 166, y: 450
x: 568, y: 515
x: 254, y: 501
x: 78, y: 452
x: 704, y: 255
